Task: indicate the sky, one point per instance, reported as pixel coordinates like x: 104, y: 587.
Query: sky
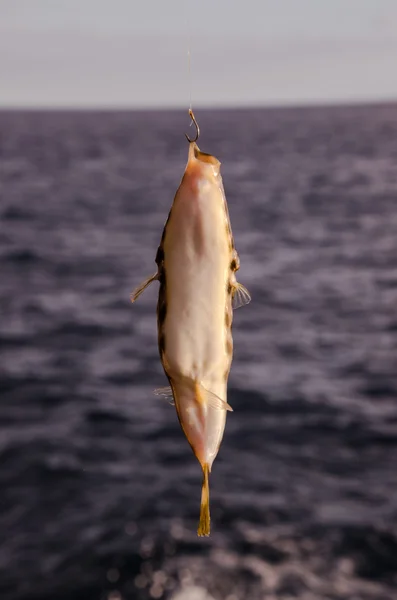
x: 134, y: 53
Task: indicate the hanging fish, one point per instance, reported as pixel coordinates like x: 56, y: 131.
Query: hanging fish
x: 196, y: 268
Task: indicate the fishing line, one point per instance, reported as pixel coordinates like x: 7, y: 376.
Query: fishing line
x: 189, y: 54
x: 189, y: 68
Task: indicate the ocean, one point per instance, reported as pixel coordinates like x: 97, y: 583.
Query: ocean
x: 100, y: 491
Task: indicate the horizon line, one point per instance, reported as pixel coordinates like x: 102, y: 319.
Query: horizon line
x: 282, y: 105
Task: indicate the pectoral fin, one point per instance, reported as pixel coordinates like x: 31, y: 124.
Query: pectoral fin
x: 138, y: 291
x: 240, y: 295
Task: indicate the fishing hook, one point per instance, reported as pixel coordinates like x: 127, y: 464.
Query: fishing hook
x: 193, y: 118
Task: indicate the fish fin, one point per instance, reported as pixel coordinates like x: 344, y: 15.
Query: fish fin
x: 141, y: 288
x: 213, y: 400
x: 204, y: 523
x: 240, y: 295
x: 166, y: 392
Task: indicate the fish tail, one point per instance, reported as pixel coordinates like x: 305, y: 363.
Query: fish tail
x: 204, y: 524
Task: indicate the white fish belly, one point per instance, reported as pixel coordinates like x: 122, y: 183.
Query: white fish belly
x: 197, y: 267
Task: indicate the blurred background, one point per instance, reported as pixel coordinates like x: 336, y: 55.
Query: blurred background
x: 100, y: 491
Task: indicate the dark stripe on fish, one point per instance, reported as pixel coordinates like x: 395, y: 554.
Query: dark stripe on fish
x: 229, y: 345
x: 161, y: 314
x: 160, y: 255
x: 162, y: 300
x: 161, y: 342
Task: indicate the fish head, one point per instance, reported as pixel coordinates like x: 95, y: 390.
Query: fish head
x: 201, y: 165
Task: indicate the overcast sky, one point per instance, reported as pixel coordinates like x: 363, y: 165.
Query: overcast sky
x: 133, y: 53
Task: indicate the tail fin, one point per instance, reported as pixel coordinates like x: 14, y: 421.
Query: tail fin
x: 204, y: 524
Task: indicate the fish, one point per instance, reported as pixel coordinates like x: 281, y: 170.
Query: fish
x: 196, y: 268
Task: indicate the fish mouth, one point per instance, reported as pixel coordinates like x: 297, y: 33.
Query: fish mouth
x: 204, y: 157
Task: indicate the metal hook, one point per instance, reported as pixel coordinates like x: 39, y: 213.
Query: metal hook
x: 193, y: 118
